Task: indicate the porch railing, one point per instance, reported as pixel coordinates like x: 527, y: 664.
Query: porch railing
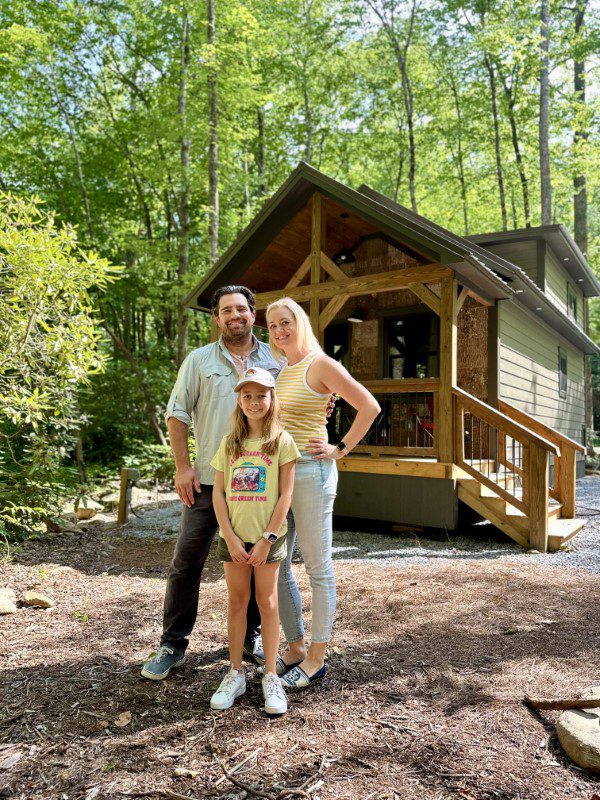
x: 504, y: 455
x: 562, y: 487
x: 406, y: 425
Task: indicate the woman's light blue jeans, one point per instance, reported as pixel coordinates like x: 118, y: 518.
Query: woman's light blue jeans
x: 310, y: 522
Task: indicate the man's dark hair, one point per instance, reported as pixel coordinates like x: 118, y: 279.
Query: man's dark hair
x: 214, y: 303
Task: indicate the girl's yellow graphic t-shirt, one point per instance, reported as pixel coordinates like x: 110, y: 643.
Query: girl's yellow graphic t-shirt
x: 252, y: 485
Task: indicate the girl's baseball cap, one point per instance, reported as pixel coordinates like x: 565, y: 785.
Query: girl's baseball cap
x: 256, y: 375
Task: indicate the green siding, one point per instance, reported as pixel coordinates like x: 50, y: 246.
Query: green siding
x: 529, y: 371
x: 523, y: 254
x: 556, y: 286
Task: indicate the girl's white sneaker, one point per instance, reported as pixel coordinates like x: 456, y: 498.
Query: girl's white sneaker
x: 232, y: 686
x: 275, y: 699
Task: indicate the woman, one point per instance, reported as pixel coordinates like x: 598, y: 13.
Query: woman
x: 304, y: 386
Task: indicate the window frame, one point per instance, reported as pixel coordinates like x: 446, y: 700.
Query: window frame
x: 562, y: 383
x: 384, y: 316
x: 571, y: 300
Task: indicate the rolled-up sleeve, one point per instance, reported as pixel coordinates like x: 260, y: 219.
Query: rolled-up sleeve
x: 186, y: 392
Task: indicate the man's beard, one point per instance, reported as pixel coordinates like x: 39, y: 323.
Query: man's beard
x: 237, y: 336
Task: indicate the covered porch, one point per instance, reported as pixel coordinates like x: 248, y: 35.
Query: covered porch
x: 409, y: 309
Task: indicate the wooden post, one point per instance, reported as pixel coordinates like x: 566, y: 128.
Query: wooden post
x: 128, y: 478
x: 447, y: 368
x: 538, y: 497
x: 459, y: 432
x: 317, y: 243
x: 564, y: 480
x: 214, y: 329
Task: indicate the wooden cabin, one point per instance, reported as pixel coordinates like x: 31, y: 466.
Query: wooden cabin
x: 473, y: 346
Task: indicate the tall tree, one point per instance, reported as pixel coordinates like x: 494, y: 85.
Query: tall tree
x: 213, y: 136
x: 544, y: 145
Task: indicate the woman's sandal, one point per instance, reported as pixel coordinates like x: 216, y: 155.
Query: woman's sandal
x: 297, y: 678
x: 283, y: 668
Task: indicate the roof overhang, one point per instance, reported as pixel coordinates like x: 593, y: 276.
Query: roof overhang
x: 418, y: 233
x: 562, y: 245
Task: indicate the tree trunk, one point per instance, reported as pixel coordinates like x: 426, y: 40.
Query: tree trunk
x: 184, y: 202
x: 401, y: 54
x: 260, y: 155
x: 510, y: 93
x: 580, y: 211
x: 213, y: 140
x: 461, y: 169
x: 497, y: 149
x: 309, y: 128
x: 545, y: 184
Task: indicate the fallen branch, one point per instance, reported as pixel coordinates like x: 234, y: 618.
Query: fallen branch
x: 564, y: 704
x: 175, y: 796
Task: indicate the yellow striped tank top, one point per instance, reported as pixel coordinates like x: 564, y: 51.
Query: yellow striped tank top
x: 303, y: 410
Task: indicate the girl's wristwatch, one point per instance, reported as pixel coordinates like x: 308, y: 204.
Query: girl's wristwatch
x: 270, y: 537
x: 342, y: 447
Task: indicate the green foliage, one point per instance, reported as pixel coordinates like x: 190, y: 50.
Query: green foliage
x: 49, y: 347
x: 90, y: 99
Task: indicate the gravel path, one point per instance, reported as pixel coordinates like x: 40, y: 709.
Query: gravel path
x: 476, y: 541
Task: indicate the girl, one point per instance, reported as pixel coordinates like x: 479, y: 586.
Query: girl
x: 251, y: 497
x: 304, y: 386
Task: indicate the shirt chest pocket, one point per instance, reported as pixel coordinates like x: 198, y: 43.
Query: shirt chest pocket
x: 220, y: 381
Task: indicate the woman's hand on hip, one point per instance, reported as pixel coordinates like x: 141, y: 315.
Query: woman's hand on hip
x: 259, y: 553
x: 321, y: 449
x: 237, y: 551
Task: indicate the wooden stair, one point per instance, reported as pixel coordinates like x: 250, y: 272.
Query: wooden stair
x: 508, y: 482
x: 511, y: 520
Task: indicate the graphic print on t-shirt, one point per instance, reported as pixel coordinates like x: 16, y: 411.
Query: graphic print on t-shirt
x: 248, y: 478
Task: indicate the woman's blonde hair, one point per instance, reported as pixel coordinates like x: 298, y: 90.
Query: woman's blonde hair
x: 306, y: 337
x: 272, y: 429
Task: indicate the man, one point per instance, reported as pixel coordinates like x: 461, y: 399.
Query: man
x: 203, y: 393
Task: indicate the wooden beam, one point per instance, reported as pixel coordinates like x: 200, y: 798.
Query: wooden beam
x: 332, y: 268
x: 214, y: 329
x: 448, y: 356
x: 316, y: 245
x: 464, y: 292
x: 425, y: 294
x: 366, y: 284
x: 330, y: 310
x: 298, y: 276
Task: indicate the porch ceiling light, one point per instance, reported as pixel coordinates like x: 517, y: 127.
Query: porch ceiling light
x: 344, y: 257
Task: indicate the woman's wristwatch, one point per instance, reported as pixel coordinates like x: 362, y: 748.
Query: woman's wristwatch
x: 270, y: 537
x: 342, y: 447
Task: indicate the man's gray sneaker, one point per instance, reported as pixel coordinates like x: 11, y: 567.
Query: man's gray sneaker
x: 163, y: 662
x: 253, y: 651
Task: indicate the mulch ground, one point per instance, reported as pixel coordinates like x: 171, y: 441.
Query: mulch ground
x: 427, y: 671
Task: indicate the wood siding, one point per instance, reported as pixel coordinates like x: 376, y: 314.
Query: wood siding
x: 529, y: 371
x: 556, y: 286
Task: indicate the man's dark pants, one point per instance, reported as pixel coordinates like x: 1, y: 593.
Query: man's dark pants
x: 196, y: 532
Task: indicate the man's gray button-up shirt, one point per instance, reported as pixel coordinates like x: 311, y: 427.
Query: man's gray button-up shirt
x: 203, y: 396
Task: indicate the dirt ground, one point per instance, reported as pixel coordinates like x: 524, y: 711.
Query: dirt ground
x: 427, y: 670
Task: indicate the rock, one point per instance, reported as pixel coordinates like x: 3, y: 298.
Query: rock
x: 8, y: 593
x: 7, y: 602
x: 579, y: 733
x: 86, y: 507
x: 34, y: 598
x: 182, y: 772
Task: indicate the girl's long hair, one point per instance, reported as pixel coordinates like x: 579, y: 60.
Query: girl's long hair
x: 306, y: 337
x: 272, y: 429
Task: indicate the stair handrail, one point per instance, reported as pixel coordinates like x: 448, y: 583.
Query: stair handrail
x: 565, y: 466
x: 508, y: 425
x: 534, y: 471
x: 549, y: 433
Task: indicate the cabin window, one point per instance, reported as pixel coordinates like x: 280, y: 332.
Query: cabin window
x: 411, y: 344
x: 571, y: 302
x: 562, y: 373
